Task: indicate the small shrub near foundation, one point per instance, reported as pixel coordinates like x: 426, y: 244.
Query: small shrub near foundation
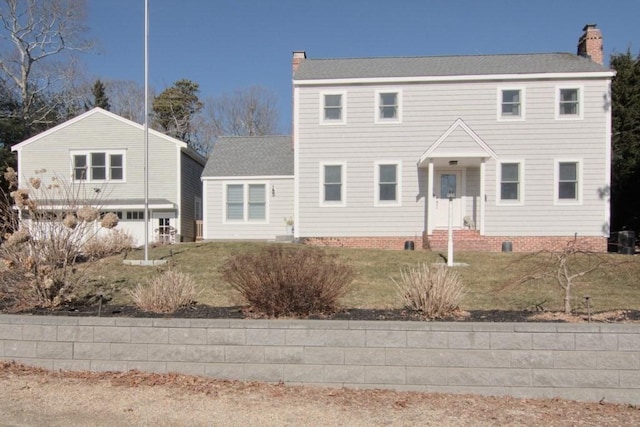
x: 165, y: 293
x: 289, y: 280
x: 111, y: 243
x: 434, y: 291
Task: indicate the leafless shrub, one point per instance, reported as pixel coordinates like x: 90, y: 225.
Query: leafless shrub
x: 165, y: 293
x: 43, y: 235
x: 434, y: 291
x: 284, y: 281
x: 566, y: 268
x: 106, y: 244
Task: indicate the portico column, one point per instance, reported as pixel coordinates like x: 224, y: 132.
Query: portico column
x: 483, y: 194
x: 429, y: 198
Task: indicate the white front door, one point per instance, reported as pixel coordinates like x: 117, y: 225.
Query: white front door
x: 448, y: 184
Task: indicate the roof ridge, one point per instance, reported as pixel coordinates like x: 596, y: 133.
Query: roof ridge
x: 443, y: 56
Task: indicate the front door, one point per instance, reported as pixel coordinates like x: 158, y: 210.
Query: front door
x: 447, y: 184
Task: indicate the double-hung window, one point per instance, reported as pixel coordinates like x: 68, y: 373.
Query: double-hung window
x: 510, y: 182
x: 333, y: 184
x: 98, y: 166
x: 388, y: 188
x: 388, y: 106
x: 568, y: 181
x: 569, y: 103
x: 332, y: 108
x: 246, y: 202
x: 511, y: 104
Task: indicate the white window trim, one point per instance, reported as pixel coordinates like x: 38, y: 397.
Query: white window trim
x: 580, y: 114
x: 556, y: 177
x: 343, y: 201
x: 523, y: 99
x: 343, y: 115
x: 245, y: 203
x: 376, y: 113
x: 521, y: 168
x: 107, y: 153
x: 376, y: 184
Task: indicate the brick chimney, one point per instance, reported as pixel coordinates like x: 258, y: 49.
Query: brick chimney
x: 590, y: 44
x: 298, y: 57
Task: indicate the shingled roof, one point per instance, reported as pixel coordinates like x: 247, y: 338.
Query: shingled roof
x: 431, y: 66
x: 250, y: 156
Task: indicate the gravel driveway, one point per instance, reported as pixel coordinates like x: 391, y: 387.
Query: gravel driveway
x: 36, y: 397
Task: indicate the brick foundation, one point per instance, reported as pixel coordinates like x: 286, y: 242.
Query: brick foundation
x: 396, y: 243
x: 463, y: 240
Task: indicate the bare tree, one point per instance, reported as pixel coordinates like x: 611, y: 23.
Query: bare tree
x: 37, y: 41
x: 252, y: 112
x: 567, y: 267
x: 127, y: 99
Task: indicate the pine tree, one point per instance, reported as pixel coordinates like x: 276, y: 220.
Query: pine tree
x: 100, y: 98
x: 625, y: 104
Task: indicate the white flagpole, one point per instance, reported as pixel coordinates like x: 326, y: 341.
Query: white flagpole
x: 146, y: 131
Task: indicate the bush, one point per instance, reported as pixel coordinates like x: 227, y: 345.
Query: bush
x: 434, y: 291
x: 112, y: 242
x: 289, y: 281
x: 165, y: 293
x: 41, y: 246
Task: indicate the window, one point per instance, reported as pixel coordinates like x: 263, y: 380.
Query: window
x: 332, y: 184
x: 135, y: 215
x: 388, y: 106
x: 511, y: 104
x: 569, y: 102
x: 246, y: 202
x: 257, y: 201
x: 568, y: 180
x: 235, y: 202
x: 332, y: 108
x: 98, y: 166
x: 387, y: 189
x: 510, y: 181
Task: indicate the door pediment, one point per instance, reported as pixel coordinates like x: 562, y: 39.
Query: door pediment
x: 458, y: 141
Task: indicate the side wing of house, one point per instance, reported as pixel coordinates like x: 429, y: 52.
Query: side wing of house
x: 248, y: 208
x: 394, y: 159
x: 248, y: 188
x: 98, y: 158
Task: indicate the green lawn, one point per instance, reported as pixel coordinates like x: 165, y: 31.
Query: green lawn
x: 490, y: 278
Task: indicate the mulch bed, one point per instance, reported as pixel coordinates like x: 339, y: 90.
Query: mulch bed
x: 209, y: 312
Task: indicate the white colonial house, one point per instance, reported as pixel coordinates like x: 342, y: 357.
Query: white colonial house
x: 99, y: 157
x: 507, y: 147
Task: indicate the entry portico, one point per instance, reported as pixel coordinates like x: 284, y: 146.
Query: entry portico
x: 456, y: 169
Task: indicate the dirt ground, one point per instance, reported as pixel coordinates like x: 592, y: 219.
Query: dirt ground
x: 36, y: 397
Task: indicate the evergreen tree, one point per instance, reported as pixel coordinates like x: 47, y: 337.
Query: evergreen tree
x: 175, y: 108
x: 100, y: 98
x: 625, y: 104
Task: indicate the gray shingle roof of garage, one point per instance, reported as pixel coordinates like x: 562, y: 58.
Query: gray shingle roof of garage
x: 429, y: 66
x: 250, y: 156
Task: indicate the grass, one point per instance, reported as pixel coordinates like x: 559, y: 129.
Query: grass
x: 490, y: 278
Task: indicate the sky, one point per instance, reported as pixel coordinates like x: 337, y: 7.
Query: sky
x: 228, y: 45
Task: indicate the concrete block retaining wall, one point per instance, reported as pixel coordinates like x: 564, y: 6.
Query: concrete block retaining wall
x: 586, y: 362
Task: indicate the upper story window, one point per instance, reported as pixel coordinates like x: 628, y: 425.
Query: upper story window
x: 332, y: 108
x: 510, y: 104
x: 333, y: 184
x: 388, y: 182
x: 569, y: 103
x: 388, y: 106
x: 98, y: 166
